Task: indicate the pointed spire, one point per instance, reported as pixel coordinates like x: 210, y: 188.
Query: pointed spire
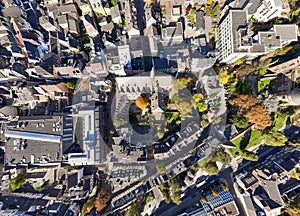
x: 152, y: 73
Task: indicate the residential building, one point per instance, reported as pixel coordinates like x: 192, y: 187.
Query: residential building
x: 286, y: 65
x: 220, y: 201
x: 118, y: 58
x: 98, y: 7
x: 129, y: 11
x: 88, y: 24
x: 266, y: 185
x: 172, y: 33
x: 264, y: 10
x: 44, y: 22
x: 84, y: 6
x: 235, y: 41
x: 115, y: 14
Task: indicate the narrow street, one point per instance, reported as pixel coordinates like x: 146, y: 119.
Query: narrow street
x: 192, y: 197
x: 139, y: 4
x: 227, y: 176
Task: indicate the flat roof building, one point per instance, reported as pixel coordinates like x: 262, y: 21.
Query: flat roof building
x: 234, y: 40
x: 38, y: 139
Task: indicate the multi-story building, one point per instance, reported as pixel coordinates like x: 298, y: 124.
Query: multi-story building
x: 264, y: 10
x: 234, y: 40
x: 37, y: 139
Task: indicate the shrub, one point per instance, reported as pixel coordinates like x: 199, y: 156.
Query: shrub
x: 249, y: 155
x: 17, y: 182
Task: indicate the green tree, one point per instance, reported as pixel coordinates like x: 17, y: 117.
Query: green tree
x: 204, y: 199
x: 165, y: 191
x: 223, y: 77
x: 202, y: 106
x: 221, y: 156
x: 224, y: 186
x: 175, y: 190
x: 134, y: 210
x: 294, y: 206
x: 114, y: 2
x: 198, y: 97
x: 238, y: 120
x: 151, y: 2
x: 148, y: 197
x: 204, y: 122
x: 200, y: 103
x: 270, y: 102
x: 239, y: 62
x: 211, y: 168
x: 284, y: 50
x: 184, y: 106
x: 261, y: 67
x: 88, y: 206
x: 182, y: 82
x: 275, y: 138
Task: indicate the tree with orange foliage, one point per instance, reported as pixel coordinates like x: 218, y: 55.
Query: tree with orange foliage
x: 142, y: 102
x: 245, y: 101
x: 253, y: 111
x: 102, y: 199
x: 259, y: 116
x: 214, y: 192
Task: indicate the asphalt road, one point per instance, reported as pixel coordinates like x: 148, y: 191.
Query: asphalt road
x: 192, y: 196
x: 190, y: 199
x: 227, y: 176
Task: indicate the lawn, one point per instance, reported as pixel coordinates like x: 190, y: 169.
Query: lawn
x: 262, y: 84
x: 244, y: 87
x: 253, y: 138
x: 279, y: 121
x: 199, y: 164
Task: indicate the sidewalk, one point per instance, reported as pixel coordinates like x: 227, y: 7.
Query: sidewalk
x: 154, y: 204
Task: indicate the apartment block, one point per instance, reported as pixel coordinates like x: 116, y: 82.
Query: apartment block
x: 234, y: 40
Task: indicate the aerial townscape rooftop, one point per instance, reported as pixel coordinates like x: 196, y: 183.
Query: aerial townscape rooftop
x: 149, y: 107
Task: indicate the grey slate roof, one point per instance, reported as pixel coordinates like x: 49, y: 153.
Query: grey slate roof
x: 9, y: 111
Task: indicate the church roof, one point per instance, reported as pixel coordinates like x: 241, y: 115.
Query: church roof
x: 133, y: 86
